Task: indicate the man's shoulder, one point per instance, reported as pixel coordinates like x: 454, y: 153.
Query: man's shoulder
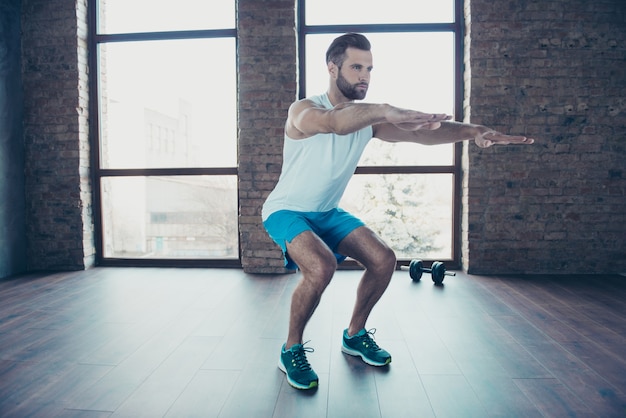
x: 320, y: 100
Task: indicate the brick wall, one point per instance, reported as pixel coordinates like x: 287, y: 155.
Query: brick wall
x: 54, y: 71
x: 12, y: 199
x: 267, y: 86
x: 554, y: 70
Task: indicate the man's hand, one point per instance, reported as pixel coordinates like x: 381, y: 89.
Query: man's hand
x: 412, y: 120
x: 491, y: 137
x: 407, y: 126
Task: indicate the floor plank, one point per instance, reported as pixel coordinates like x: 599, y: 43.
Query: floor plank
x: 205, y: 395
x: 161, y: 389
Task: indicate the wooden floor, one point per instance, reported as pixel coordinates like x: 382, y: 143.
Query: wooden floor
x: 204, y: 342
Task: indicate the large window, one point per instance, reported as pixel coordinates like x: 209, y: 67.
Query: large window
x: 166, y: 169
x: 407, y: 193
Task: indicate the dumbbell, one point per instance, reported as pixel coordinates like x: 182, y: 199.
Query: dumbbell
x: 437, y: 271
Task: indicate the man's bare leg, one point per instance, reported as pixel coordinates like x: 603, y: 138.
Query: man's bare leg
x: 317, y: 264
x: 379, y: 260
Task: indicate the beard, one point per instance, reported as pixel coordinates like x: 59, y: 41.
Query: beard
x: 350, y: 90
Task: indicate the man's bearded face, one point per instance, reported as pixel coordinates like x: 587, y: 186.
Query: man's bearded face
x: 351, y: 91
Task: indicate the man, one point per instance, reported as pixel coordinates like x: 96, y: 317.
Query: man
x: 324, y: 138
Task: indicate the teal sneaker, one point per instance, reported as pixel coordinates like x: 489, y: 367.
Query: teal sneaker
x: 363, y: 345
x: 294, y: 364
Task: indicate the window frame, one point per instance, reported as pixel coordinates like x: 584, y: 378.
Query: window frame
x: 457, y: 28
x: 98, y: 173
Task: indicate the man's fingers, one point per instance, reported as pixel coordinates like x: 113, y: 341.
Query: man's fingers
x: 438, y: 117
x: 429, y: 117
x: 500, y: 138
x: 432, y: 126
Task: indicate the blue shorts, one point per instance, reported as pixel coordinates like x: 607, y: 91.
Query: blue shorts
x: 332, y: 227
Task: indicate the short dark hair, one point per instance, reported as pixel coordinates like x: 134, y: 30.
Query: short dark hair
x: 337, y: 50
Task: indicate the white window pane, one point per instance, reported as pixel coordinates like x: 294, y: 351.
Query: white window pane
x: 170, y: 217
x: 412, y: 70
x: 406, y: 154
x: 410, y: 212
x: 338, y: 12
x: 132, y: 16
x: 168, y: 104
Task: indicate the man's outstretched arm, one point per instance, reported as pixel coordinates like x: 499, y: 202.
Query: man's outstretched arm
x: 306, y: 119
x: 445, y: 133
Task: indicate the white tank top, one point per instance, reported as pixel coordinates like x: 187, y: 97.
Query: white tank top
x: 316, y: 170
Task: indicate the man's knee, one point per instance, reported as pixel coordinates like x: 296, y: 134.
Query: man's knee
x: 320, y: 270
x: 385, y: 260
x: 316, y: 261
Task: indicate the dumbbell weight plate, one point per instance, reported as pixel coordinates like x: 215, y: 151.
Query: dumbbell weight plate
x: 416, y: 269
x: 438, y: 271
